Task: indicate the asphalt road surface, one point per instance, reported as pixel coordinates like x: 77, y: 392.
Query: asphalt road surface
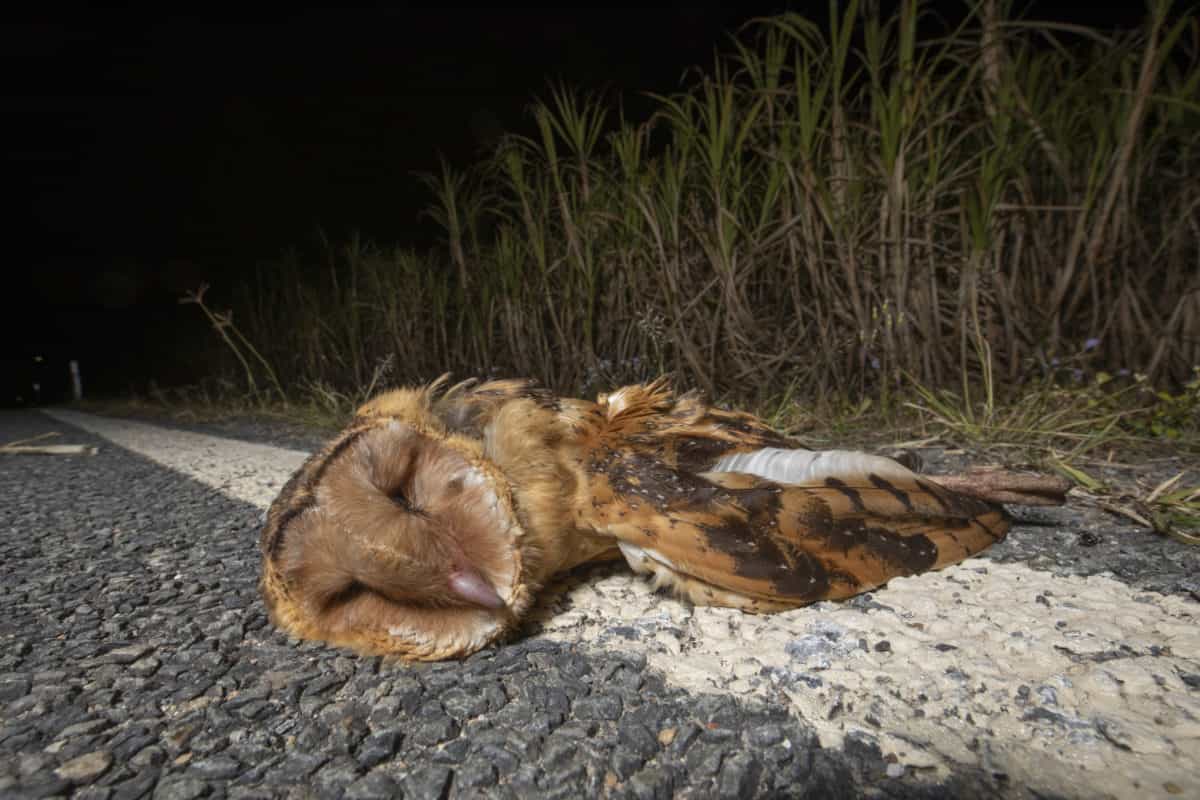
x: 136, y: 660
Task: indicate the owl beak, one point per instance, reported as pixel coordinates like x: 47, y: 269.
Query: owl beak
x: 469, y: 585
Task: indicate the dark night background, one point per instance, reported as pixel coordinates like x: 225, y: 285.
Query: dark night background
x: 149, y: 151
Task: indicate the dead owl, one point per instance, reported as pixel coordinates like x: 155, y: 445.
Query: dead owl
x: 427, y: 527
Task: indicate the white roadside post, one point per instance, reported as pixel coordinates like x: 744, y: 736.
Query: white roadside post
x: 76, y: 383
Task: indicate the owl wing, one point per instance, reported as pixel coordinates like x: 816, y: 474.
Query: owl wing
x: 727, y: 512
x: 737, y: 539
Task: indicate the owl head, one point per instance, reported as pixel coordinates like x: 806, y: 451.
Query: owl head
x: 399, y: 537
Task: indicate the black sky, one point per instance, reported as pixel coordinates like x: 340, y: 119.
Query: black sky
x: 155, y: 139
x: 146, y: 151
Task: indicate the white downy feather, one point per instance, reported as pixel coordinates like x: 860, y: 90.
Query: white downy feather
x: 810, y: 466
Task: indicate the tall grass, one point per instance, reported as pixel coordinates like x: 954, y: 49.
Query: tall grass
x: 825, y: 212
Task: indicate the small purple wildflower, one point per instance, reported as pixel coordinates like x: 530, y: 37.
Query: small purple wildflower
x: 1091, y: 344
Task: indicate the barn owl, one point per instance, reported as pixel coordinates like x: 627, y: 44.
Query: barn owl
x: 428, y: 526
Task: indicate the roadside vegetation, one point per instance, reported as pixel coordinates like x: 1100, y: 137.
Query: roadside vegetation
x: 985, y: 234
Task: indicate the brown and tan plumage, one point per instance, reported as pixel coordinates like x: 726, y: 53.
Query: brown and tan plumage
x: 428, y: 526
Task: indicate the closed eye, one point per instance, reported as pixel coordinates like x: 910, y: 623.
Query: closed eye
x: 402, y: 500
x: 398, y: 497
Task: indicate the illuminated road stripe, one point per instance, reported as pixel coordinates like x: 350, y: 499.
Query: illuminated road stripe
x: 246, y: 471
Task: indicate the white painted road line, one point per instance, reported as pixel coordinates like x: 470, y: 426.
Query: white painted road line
x: 246, y: 471
x: 1069, y: 685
